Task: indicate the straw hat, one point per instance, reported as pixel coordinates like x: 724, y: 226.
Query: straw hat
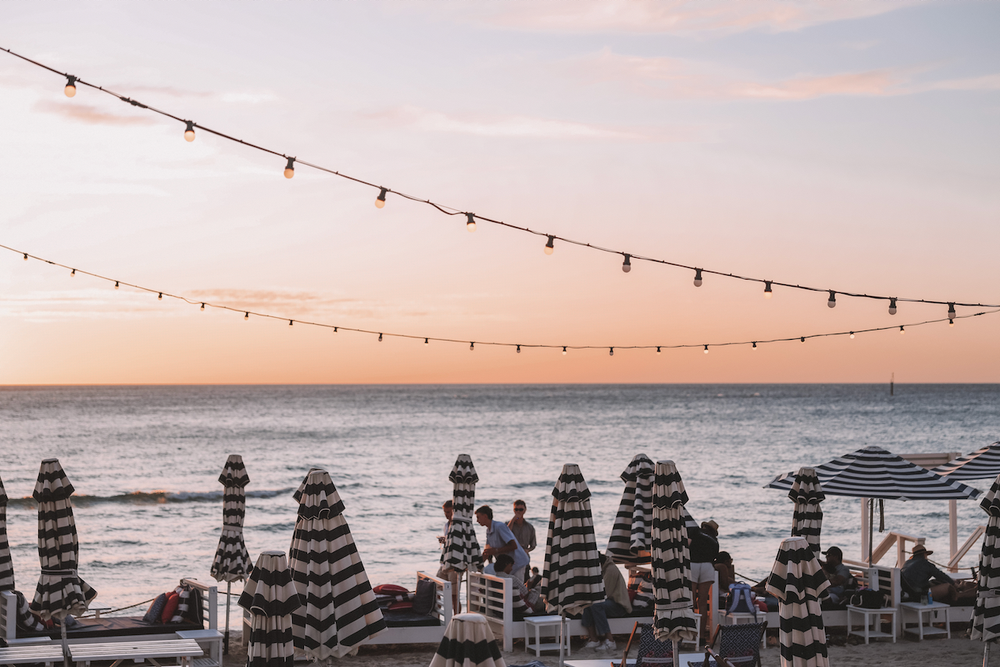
x: 712, y: 525
x: 921, y: 549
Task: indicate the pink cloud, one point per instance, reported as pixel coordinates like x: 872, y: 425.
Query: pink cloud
x: 89, y: 114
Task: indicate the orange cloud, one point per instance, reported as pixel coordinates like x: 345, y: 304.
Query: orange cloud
x: 89, y: 114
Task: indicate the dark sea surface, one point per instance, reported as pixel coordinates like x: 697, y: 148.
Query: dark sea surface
x: 145, y: 462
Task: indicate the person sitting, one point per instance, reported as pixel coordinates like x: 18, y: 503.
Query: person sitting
x: 919, y: 576
x: 840, y: 578
x: 500, y: 540
x: 535, y: 580
x: 727, y: 571
x: 525, y: 601
x: 616, y: 605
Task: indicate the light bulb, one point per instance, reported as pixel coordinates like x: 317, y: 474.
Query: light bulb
x: 852, y: 335
x: 116, y: 287
x: 189, y: 132
x: 767, y: 289
x: 951, y: 311
x: 627, y: 264
x: 380, y: 200
x: 611, y: 351
x: 706, y: 349
x: 291, y: 322
x: 470, y: 221
x: 549, y: 247
x: 247, y: 316
x: 902, y: 330
x: 380, y: 338
x: 26, y: 257
x: 472, y: 347
x: 754, y: 345
x: 832, y: 303
x: 70, y: 88
x: 564, y: 350
x: 160, y: 297
x: 519, y: 349
x: 427, y: 341
x: 657, y: 349
x: 335, y: 330
x: 72, y: 274
x: 202, y: 305
x: 892, y: 306
x: 802, y: 339
x: 951, y: 323
x: 290, y: 168
x: 697, y: 277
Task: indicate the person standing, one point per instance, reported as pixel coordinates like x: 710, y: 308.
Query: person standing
x: 524, y: 533
x: 499, y: 539
x: 445, y: 572
x: 704, y: 549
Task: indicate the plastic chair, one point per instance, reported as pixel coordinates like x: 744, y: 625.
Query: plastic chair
x: 739, y: 646
x: 652, y: 653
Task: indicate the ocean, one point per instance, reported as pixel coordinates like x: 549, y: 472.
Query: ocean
x: 145, y: 462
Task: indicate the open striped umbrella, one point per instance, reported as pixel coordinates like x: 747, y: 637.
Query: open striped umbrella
x: 270, y: 597
x: 461, y: 548
x: 674, y: 614
x: 986, y: 615
x: 807, y: 517
x: 797, y: 580
x: 984, y: 463
x: 629, y: 541
x: 232, y: 562
x: 6, y: 563
x: 340, y: 610
x: 468, y: 642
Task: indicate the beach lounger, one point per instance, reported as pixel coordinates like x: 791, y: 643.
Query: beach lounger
x: 172, y: 650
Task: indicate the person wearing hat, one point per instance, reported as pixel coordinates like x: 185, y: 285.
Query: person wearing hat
x: 920, y: 575
x: 704, y: 548
x: 839, y: 576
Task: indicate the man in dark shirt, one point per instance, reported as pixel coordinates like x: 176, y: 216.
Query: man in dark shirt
x: 917, y: 574
x: 840, y: 577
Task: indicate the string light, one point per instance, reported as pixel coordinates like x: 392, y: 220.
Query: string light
x: 802, y: 339
x: 202, y: 305
x: 116, y: 287
x: 472, y: 347
x: 291, y: 322
x: 892, y: 306
x: 852, y: 335
x: 951, y: 323
x: 754, y: 346
x: 657, y: 349
x: 335, y: 330
x: 70, y: 88
x: 290, y: 168
x: 832, y: 303
x: 706, y: 349
x: 902, y: 330
x: 564, y: 350
x: 380, y: 200
x: 767, y: 289
x: 26, y: 257
x: 697, y: 277
x: 611, y: 351
x: 951, y: 311
x: 426, y: 342
x: 627, y: 264
x: 247, y: 315
x: 519, y: 349
x: 160, y: 297
x: 189, y: 132
x: 72, y: 274
x: 470, y: 221
x: 380, y: 337
x: 550, y: 245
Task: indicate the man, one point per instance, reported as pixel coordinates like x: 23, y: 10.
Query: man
x: 840, y: 577
x: 445, y: 572
x: 917, y: 574
x: 525, y: 601
x: 616, y: 605
x: 523, y: 531
x: 499, y: 539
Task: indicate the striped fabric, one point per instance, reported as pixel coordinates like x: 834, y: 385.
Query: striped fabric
x: 572, y: 578
x: 674, y: 618
x: 629, y: 541
x: 25, y: 619
x: 6, y: 564
x: 232, y: 562
x: 461, y: 548
x: 807, y: 517
x: 183, y: 598
x: 986, y: 616
x: 872, y: 472
x: 797, y: 580
x: 984, y: 463
x: 340, y: 610
x: 270, y: 597
x: 468, y: 642
x: 60, y: 589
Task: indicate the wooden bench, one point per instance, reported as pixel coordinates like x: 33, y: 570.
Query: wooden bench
x: 51, y: 652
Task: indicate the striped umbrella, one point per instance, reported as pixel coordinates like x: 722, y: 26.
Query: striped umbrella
x: 807, y: 518
x: 270, y: 597
x: 797, y: 580
x: 340, y: 610
x: 6, y: 563
x: 984, y: 463
x: 468, y: 642
x: 674, y: 618
x: 232, y: 562
x: 629, y: 541
x: 986, y: 616
x: 60, y: 591
x: 461, y: 548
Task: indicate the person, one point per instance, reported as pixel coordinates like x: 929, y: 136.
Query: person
x: 499, y: 539
x: 616, y: 605
x: 917, y: 575
x: 445, y: 572
x: 523, y: 531
x: 525, y: 600
x: 840, y: 578
x: 535, y: 578
x: 727, y: 574
x: 704, y: 548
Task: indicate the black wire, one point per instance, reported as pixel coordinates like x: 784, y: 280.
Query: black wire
x: 449, y: 210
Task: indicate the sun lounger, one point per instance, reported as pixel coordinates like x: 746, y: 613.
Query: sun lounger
x: 416, y: 629
x: 173, y: 650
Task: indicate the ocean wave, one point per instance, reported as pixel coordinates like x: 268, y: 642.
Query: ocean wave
x: 155, y: 497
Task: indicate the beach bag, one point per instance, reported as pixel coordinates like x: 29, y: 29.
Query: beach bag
x: 868, y: 599
x: 741, y: 600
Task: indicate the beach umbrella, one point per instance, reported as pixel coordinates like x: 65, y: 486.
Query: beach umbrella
x: 986, y: 615
x: 572, y: 578
x: 984, y: 463
x: 807, y: 517
x: 461, y: 548
x: 6, y: 563
x: 468, y: 642
x: 60, y: 591
x: 270, y: 596
x: 798, y: 581
x: 340, y: 610
x: 232, y: 562
x: 674, y: 618
x: 629, y: 543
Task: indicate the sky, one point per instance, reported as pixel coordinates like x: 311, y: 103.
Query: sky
x: 848, y: 146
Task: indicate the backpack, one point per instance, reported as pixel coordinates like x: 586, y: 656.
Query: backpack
x: 741, y: 600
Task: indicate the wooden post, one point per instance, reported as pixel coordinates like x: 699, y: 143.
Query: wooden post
x: 864, y: 530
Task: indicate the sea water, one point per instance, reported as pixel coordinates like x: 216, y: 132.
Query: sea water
x: 145, y: 462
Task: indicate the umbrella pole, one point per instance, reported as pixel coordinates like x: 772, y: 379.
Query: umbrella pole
x: 225, y: 644
x: 677, y: 650
x: 871, y: 528
x: 65, y: 643
x: 562, y: 637
x: 986, y: 654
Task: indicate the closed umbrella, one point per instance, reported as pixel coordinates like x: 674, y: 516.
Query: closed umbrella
x: 984, y: 463
x: 461, y: 548
x: 232, y: 562
x: 468, y: 642
x: 629, y: 542
x: 986, y: 615
x: 340, y: 610
x: 60, y: 591
x: 797, y: 580
x: 270, y: 597
x: 807, y: 517
x: 6, y: 563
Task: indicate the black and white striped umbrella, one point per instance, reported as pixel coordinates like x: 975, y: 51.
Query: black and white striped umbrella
x: 807, y: 517
x: 798, y: 581
x: 6, y: 563
x: 573, y: 578
x: 674, y: 618
x: 271, y: 598
x: 629, y: 543
x: 340, y: 610
x: 461, y: 548
x: 468, y: 642
x: 873, y: 472
x: 984, y: 463
x: 232, y: 562
x: 986, y: 616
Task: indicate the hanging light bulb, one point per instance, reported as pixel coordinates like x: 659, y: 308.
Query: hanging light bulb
x: 902, y: 330
x: 852, y: 335
x: 519, y: 349
x: 754, y: 345
x: 26, y: 257
x: 611, y: 351
x: 380, y: 200
x: 72, y: 274
x: 70, y: 88
x: 802, y: 339
x: 290, y: 168
x: 892, y: 306
x: 202, y: 305
x: 832, y: 303
x: 189, y: 132
x: 291, y: 322
x: 160, y: 297
x: 472, y: 347
x: 697, y: 277
x: 767, y: 289
x: 247, y: 315
x: 549, y: 247
x: 116, y: 287
x: 627, y: 264
x: 564, y: 350
x: 951, y: 323
x: 335, y: 330
x: 951, y: 311
x: 380, y: 338
x: 470, y: 221
x: 706, y: 349
x: 657, y: 349
x: 427, y: 341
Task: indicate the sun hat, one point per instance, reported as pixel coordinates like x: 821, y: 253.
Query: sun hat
x: 711, y: 524
x: 921, y: 549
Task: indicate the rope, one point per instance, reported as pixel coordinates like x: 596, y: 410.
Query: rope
x: 112, y: 611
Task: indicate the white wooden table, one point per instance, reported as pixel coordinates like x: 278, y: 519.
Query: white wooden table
x: 871, y: 622
x: 919, y: 609
x: 118, y: 652
x: 540, y: 624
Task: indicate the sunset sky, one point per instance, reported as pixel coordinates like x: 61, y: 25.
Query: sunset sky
x: 849, y: 146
